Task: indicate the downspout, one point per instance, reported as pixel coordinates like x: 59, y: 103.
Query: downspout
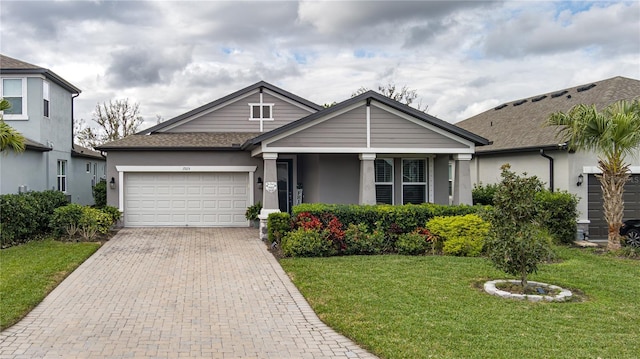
x: 73, y: 96
x: 550, y: 168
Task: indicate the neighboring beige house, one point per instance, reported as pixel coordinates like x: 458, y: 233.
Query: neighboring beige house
x: 264, y: 144
x: 520, y: 138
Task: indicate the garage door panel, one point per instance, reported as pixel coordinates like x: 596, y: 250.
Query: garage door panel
x: 179, y: 199
x: 598, y: 227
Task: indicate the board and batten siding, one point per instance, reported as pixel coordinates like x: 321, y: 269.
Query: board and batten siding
x: 389, y: 130
x: 234, y: 117
x: 345, y: 130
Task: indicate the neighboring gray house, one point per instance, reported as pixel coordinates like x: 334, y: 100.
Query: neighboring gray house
x: 42, y: 110
x: 520, y: 138
x: 261, y: 143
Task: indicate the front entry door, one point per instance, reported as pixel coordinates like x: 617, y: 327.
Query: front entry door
x: 285, y: 191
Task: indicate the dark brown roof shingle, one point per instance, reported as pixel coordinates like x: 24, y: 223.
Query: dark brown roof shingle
x: 180, y: 141
x: 520, y: 124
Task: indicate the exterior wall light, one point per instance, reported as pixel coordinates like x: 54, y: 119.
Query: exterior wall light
x: 580, y: 180
x: 260, y: 182
x: 112, y: 183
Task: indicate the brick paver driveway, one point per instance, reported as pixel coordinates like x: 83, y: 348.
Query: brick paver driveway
x: 176, y: 292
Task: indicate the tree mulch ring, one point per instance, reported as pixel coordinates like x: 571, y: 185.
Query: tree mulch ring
x: 534, y: 292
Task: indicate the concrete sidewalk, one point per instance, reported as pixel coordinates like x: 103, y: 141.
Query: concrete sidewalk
x: 177, y: 293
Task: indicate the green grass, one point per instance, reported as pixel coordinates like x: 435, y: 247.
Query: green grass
x: 30, y: 271
x: 431, y: 307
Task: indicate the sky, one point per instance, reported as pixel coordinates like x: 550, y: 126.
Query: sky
x: 461, y: 57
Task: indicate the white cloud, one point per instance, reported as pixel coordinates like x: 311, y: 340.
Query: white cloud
x: 461, y: 57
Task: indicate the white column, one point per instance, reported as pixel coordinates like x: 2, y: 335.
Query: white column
x: 367, y: 193
x: 462, y: 180
x: 269, y: 192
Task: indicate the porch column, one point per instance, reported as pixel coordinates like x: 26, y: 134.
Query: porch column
x: 269, y: 192
x: 462, y: 180
x: 367, y: 179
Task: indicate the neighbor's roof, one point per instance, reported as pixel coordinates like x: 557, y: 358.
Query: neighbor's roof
x: 80, y: 151
x: 374, y: 96
x: 520, y: 125
x: 189, y: 141
x: 256, y: 86
x: 30, y: 144
x: 11, y: 66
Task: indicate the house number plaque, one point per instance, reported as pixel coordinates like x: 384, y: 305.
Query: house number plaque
x: 271, y: 186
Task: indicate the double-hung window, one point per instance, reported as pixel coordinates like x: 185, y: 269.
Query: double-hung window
x: 414, y: 181
x: 14, y: 91
x: 45, y: 96
x: 62, y: 176
x: 384, y: 180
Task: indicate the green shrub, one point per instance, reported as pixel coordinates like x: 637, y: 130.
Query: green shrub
x: 307, y: 243
x: 66, y: 220
x: 460, y: 235
x: 253, y: 211
x: 359, y: 240
x: 278, y: 225
x: 482, y: 194
x: 86, y: 221
x: 100, y: 194
x: 558, y: 213
x: 395, y: 220
x: 413, y: 243
x: 113, y: 213
x: 26, y: 216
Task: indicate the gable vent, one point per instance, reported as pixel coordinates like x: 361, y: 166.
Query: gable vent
x: 539, y: 98
x: 518, y: 103
x: 501, y: 107
x: 586, y: 87
x: 558, y: 94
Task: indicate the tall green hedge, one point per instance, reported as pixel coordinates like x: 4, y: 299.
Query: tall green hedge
x: 558, y: 213
x: 27, y: 215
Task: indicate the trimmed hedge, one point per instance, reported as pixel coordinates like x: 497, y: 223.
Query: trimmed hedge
x: 401, y: 219
x: 558, y: 213
x: 27, y: 215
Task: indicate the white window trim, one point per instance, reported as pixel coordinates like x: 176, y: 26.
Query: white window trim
x: 393, y: 194
x: 60, y: 176
x: 23, y: 115
x: 261, y: 118
x: 426, y: 189
x: 46, y: 96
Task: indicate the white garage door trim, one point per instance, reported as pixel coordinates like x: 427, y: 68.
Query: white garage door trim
x: 250, y: 170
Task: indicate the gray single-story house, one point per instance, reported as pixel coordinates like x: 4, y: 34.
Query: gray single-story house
x: 264, y: 144
x: 519, y: 137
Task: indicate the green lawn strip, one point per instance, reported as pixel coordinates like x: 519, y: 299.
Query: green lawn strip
x: 30, y: 271
x: 429, y: 307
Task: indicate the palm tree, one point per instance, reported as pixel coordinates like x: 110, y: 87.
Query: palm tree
x: 613, y: 133
x: 9, y: 137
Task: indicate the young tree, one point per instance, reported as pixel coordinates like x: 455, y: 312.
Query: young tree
x: 517, y: 242
x: 403, y: 95
x: 614, y: 134
x: 116, y: 119
x: 9, y: 137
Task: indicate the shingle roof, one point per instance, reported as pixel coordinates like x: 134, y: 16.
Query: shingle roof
x: 35, y: 145
x: 519, y: 125
x: 80, y: 151
x: 369, y: 96
x: 11, y: 66
x: 181, y: 141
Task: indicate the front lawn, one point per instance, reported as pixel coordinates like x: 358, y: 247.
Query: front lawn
x: 432, y: 307
x: 30, y: 271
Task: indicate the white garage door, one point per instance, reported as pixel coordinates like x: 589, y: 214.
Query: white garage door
x: 185, y: 199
